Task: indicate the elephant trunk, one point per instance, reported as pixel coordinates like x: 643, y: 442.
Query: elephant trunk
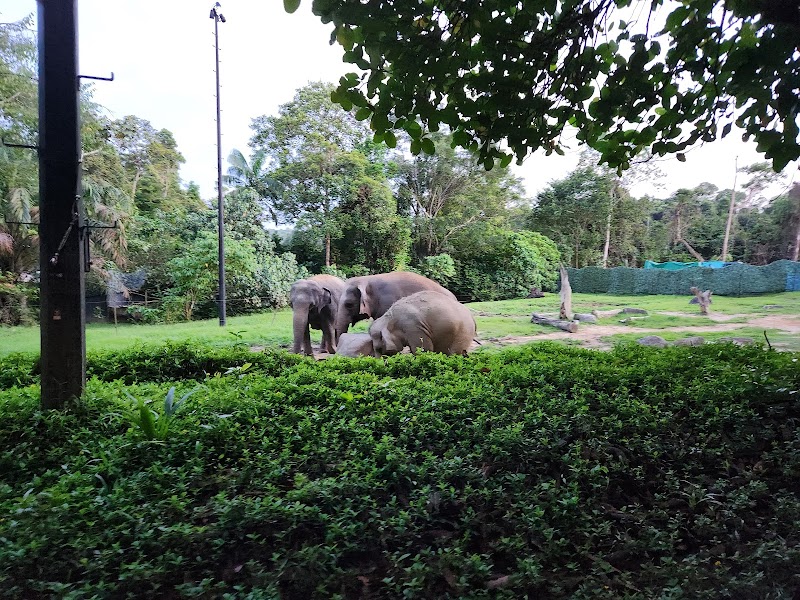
x: 301, y: 333
x: 342, y: 324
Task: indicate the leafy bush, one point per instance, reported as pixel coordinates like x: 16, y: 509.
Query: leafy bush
x: 538, y: 471
x: 15, y: 300
x: 504, y: 264
x: 440, y: 268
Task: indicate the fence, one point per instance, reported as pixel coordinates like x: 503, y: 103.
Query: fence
x: 734, y: 280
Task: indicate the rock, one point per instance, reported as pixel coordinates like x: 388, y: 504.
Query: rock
x: 653, y: 341
x: 586, y: 318
x: 739, y: 341
x: 536, y: 293
x: 354, y: 344
x: 690, y: 341
x: 634, y: 311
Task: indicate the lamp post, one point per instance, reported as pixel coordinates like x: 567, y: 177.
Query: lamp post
x: 217, y: 16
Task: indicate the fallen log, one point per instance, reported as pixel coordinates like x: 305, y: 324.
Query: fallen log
x: 571, y: 326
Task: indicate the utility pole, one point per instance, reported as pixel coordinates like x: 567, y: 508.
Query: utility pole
x: 217, y: 16
x: 61, y: 226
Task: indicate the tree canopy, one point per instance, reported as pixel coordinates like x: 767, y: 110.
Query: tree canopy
x: 630, y: 75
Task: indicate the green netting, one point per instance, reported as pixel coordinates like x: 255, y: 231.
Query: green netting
x: 734, y: 280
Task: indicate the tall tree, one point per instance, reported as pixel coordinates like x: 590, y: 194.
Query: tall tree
x: 572, y: 212
x: 446, y: 192
x: 253, y: 178
x: 517, y: 73
x: 312, y: 146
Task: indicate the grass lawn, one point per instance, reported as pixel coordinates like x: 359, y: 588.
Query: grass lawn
x: 495, y: 320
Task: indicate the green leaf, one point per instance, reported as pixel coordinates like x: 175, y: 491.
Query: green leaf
x: 291, y: 5
x: 416, y: 146
x: 428, y: 146
x: 390, y: 139
x: 681, y: 156
x: 363, y: 113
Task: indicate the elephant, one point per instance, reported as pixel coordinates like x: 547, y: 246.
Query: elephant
x: 426, y: 320
x: 372, y: 295
x: 314, y: 302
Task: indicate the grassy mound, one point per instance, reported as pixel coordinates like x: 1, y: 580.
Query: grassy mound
x: 540, y: 471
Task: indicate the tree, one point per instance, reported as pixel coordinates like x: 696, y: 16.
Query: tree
x: 312, y: 146
x: 252, y: 178
x: 573, y: 212
x: 446, y: 192
x: 517, y: 73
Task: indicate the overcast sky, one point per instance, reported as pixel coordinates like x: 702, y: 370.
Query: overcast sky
x: 162, y: 56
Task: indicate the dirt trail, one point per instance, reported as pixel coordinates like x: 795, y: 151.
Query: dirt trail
x: 590, y: 336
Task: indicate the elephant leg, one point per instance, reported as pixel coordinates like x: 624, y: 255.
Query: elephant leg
x: 328, y: 337
x: 307, y: 342
x: 420, y: 341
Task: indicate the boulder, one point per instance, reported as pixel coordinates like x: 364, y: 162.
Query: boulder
x: 653, y: 341
x: 690, y: 341
x: 739, y: 341
x: 535, y: 293
x: 354, y: 344
x: 634, y: 311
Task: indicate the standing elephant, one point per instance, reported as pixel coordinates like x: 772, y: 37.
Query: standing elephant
x: 424, y: 320
x: 372, y: 295
x: 314, y: 302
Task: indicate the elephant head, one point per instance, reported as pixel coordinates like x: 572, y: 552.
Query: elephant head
x: 308, y: 300
x: 373, y: 295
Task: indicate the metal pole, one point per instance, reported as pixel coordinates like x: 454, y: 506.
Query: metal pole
x: 220, y: 218
x: 61, y: 251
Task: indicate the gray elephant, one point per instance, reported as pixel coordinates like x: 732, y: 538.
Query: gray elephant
x: 314, y: 303
x: 426, y: 320
x: 372, y: 295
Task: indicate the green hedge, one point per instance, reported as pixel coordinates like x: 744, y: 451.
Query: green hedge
x: 536, y: 472
x: 733, y: 280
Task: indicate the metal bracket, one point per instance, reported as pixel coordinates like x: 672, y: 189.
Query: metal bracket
x: 97, y: 78
x: 10, y: 145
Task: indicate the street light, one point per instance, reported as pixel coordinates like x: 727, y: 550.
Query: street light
x: 217, y: 16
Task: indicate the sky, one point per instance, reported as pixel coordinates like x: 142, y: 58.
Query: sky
x: 162, y: 55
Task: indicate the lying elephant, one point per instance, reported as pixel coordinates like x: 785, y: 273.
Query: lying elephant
x: 372, y: 295
x: 427, y: 320
x: 314, y: 302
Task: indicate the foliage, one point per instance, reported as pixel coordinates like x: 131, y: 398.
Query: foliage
x: 151, y: 424
x: 440, y: 267
x: 15, y: 300
x: 499, y: 73
x: 195, y: 276
x: 499, y: 264
x: 538, y: 471
x: 447, y: 192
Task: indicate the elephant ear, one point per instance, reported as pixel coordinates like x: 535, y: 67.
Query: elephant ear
x: 326, y: 296
x: 364, y: 308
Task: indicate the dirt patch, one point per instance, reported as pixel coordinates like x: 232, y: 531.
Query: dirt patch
x: 591, y: 336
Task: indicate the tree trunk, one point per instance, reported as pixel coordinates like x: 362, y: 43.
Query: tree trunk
x: 327, y: 249
x: 566, y: 296
x: 730, y: 219
x: 702, y: 298
x: 691, y: 250
x: 608, y: 239
x: 796, y: 250
x: 571, y: 326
